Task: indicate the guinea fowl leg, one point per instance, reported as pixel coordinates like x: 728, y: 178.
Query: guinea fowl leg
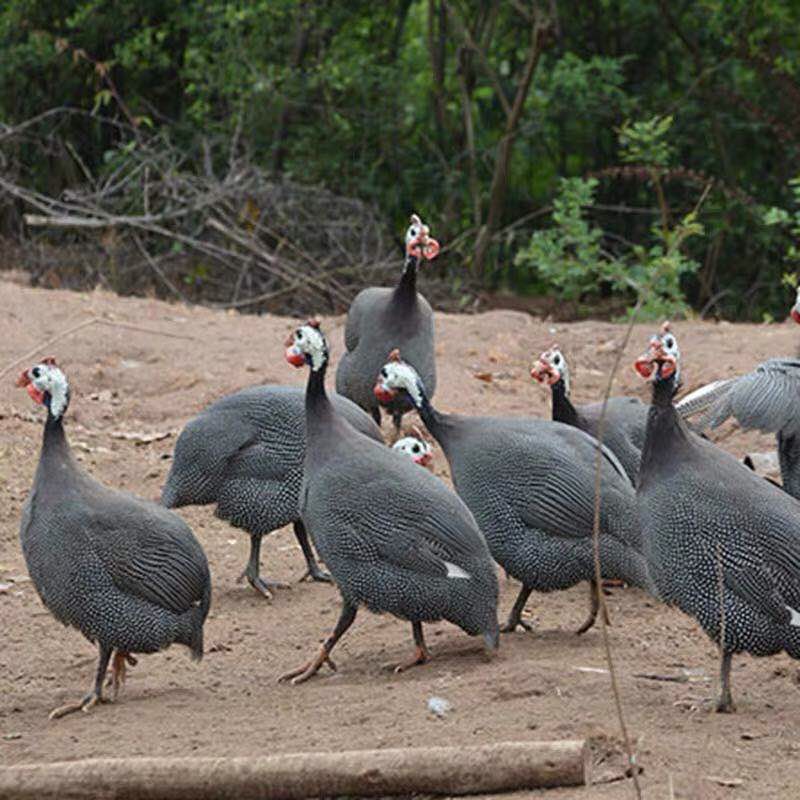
x: 397, y: 419
x: 253, y: 569
x: 725, y: 702
x: 515, y: 617
x: 594, y: 607
x: 310, y: 668
x: 119, y: 670
x: 313, y: 570
x: 421, y: 653
x: 95, y: 696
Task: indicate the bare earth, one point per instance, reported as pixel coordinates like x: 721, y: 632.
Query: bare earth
x: 547, y: 685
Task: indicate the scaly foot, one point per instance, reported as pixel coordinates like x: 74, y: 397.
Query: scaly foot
x: 309, y: 669
x: 421, y: 655
x: 85, y: 705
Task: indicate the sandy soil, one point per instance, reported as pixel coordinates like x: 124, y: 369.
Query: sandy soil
x: 549, y: 684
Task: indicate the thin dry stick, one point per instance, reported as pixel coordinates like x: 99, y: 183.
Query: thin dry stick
x: 85, y: 324
x: 598, y: 577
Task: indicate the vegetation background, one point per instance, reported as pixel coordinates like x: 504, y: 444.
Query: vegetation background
x: 572, y: 150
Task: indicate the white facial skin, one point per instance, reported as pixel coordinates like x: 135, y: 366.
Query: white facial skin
x: 310, y: 341
x: 416, y: 449
x: 414, y: 229
x: 669, y: 347
x: 47, y: 378
x: 399, y: 375
x: 555, y: 358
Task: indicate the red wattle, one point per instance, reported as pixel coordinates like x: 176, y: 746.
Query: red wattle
x: 644, y: 366
x: 383, y: 395
x: 295, y: 357
x: 36, y: 395
x: 796, y: 315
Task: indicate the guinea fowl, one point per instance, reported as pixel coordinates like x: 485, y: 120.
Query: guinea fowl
x: 125, y: 572
x: 395, y: 538
x: 245, y: 453
x: 722, y: 544
x: 381, y: 319
x: 625, y: 418
x: 530, y: 485
x: 416, y: 447
x: 766, y: 399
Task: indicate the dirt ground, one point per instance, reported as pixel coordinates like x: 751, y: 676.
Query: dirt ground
x: 549, y: 684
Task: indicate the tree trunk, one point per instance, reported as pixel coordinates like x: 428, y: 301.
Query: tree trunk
x: 497, y: 194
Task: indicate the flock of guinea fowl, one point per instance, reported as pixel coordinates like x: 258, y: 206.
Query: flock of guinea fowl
x: 679, y: 517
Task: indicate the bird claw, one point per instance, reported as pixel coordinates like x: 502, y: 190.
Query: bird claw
x: 85, y: 705
x: 316, y: 575
x: 308, y: 670
x: 264, y: 586
x: 512, y: 625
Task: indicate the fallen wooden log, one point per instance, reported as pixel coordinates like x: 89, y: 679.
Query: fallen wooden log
x: 504, y: 766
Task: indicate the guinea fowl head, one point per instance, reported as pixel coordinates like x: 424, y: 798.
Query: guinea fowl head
x: 795, y: 312
x: 660, y: 363
x: 551, y: 368
x: 397, y: 376
x: 47, y: 385
x: 419, y: 243
x: 307, y: 345
x: 416, y: 447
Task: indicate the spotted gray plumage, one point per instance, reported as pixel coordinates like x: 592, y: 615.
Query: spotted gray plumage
x: 530, y: 485
x: 768, y: 400
x: 703, y: 514
x: 395, y: 538
x: 245, y: 453
x: 378, y: 321
x: 126, y: 572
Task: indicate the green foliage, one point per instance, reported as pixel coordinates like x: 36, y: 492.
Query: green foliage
x: 347, y: 96
x: 790, y: 221
x: 645, y: 141
x: 571, y: 260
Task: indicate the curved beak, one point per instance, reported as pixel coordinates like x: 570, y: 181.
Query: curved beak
x: 383, y: 394
x: 295, y: 356
x: 425, y: 459
x: 655, y: 363
x: 545, y: 373
x: 24, y: 382
x: 423, y: 246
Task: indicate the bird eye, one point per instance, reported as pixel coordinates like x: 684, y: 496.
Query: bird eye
x: 384, y: 373
x: 299, y: 333
x: 36, y: 372
x: 669, y: 343
x: 556, y: 360
x: 416, y: 448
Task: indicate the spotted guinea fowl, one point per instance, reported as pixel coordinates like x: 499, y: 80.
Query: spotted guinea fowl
x: 766, y: 399
x: 625, y: 417
x: 381, y: 319
x: 245, y: 453
x: 530, y: 484
x: 713, y: 529
x: 395, y: 538
x: 125, y: 572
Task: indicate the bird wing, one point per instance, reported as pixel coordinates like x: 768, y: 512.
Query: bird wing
x: 767, y: 399
x: 703, y: 398
x: 149, y: 552
x: 410, y: 520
